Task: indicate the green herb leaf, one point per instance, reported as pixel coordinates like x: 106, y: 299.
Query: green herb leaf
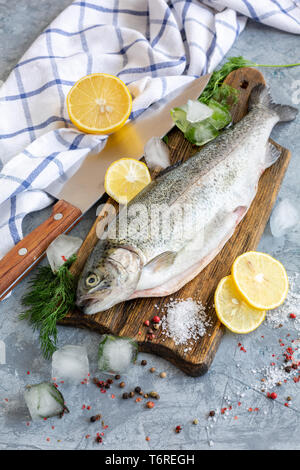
x: 219, y: 97
x: 103, y: 363
x: 49, y: 300
x: 218, y: 76
x: 179, y: 117
x: 199, y: 133
x: 221, y: 116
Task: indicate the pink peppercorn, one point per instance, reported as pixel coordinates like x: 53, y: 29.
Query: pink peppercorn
x: 150, y: 404
x: 156, y: 319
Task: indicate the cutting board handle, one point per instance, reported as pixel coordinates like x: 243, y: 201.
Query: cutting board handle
x: 18, y: 261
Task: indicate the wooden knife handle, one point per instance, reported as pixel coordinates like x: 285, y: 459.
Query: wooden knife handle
x: 18, y: 261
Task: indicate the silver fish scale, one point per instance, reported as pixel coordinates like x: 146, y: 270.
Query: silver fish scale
x: 210, y: 185
x: 180, y: 222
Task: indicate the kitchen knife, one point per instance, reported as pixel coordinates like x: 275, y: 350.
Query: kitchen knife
x: 86, y: 186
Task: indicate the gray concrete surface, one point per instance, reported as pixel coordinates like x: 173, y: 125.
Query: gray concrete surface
x: 234, y: 376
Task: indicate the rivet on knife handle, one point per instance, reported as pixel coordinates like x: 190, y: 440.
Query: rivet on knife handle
x: 18, y: 261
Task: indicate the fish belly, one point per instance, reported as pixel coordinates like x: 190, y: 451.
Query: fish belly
x: 191, y: 260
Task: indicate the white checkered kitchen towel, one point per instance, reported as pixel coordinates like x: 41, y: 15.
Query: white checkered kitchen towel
x: 154, y: 46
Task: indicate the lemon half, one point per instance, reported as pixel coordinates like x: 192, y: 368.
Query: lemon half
x: 99, y: 103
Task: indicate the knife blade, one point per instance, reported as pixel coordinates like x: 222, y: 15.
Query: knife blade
x: 80, y: 192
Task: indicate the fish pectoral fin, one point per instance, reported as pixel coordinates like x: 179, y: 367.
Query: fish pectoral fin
x: 240, y: 211
x: 162, y: 261
x: 272, y: 154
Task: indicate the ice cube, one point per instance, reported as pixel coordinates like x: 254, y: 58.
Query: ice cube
x: 2, y: 352
x: 44, y: 401
x: 70, y: 364
x: 197, y: 111
x: 61, y: 249
x: 157, y: 153
x: 116, y: 354
x: 283, y: 217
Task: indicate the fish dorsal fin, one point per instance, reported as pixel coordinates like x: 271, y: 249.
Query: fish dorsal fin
x: 162, y: 261
x: 272, y: 154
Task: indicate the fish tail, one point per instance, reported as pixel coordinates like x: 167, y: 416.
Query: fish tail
x: 260, y: 96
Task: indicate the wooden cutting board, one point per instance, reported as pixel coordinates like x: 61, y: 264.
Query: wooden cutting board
x: 126, y: 319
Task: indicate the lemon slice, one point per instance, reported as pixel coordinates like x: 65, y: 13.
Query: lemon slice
x: 260, y: 279
x: 233, y: 311
x: 125, y: 178
x: 99, y: 103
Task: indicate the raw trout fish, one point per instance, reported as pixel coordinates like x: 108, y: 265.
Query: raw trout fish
x: 173, y: 228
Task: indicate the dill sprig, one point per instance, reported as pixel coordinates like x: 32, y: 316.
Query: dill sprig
x: 49, y: 299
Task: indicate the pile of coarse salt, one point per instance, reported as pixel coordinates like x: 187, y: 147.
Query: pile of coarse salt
x: 184, y: 321
x: 291, y: 305
x: 276, y: 374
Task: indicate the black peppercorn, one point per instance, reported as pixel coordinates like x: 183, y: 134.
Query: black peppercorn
x: 95, y: 418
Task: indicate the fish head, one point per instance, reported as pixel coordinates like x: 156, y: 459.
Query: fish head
x: 110, y: 276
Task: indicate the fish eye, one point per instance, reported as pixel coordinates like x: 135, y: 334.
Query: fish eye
x: 92, y: 280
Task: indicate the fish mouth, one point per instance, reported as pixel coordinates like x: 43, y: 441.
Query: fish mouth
x: 82, y: 301
x: 87, y: 302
